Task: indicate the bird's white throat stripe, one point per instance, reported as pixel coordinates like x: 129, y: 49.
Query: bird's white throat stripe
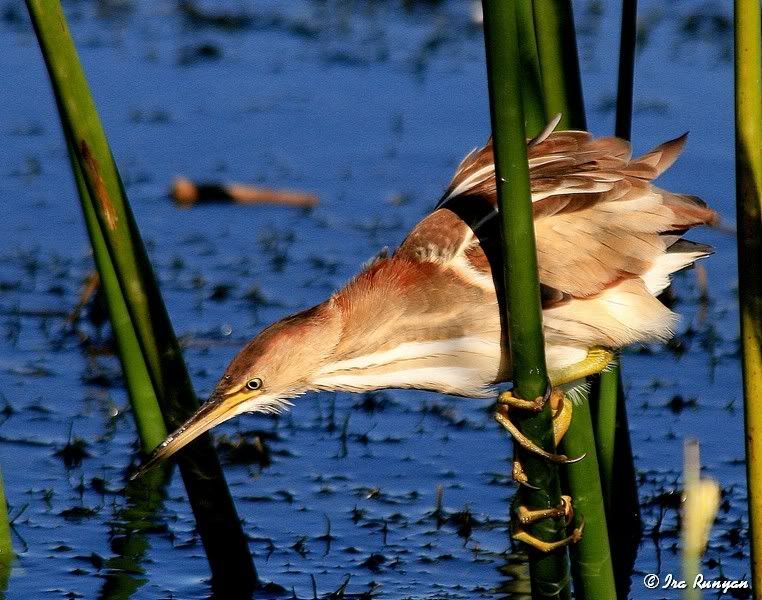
x: 464, y: 365
x: 454, y: 347
x: 456, y: 380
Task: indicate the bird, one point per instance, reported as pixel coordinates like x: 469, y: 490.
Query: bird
x: 428, y: 316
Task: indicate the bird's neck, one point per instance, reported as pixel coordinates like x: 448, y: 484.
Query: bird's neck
x: 393, y: 354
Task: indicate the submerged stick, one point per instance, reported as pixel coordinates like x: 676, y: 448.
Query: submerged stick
x: 187, y: 193
x: 89, y: 288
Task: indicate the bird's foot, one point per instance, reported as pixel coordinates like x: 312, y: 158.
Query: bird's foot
x: 562, y: 409
x: 551, y: 395
x: 597, y: 360
x: 525, y: 516
x: 522, y: 535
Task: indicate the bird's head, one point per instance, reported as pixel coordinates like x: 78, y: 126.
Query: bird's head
x: 273, y: 367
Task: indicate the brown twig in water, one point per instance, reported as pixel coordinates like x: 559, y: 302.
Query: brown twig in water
x: 187, y: 193
x: 89, y: 287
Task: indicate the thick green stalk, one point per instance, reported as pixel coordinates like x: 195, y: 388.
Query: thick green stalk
x: 557, y: 46
x: 93, y: 155
x: 748, y: 108
x: 610, y: 381
x: 549, y: 572
x: 219, y: 528
x: 608, y: 389
x: 592, y: 566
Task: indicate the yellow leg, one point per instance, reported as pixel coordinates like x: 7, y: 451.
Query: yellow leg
x: 596, y: 361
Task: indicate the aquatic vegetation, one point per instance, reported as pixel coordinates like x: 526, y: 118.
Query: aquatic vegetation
x: 456, y: 445
x: 159, y: 385
x: 748, y: 105
x: 549, y: 571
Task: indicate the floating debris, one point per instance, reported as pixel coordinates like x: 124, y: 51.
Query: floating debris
x: 187, y: 193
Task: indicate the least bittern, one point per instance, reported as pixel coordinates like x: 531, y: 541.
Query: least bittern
x: 428, y: 316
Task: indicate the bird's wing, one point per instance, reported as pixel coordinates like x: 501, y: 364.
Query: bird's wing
x: 598, y: 219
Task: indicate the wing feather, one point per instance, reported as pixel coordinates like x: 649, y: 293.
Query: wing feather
x: 598, y: 218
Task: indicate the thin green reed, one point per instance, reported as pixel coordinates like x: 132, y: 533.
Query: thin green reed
x: 145, y: 407
x: 6, y: 544
x: 549, y: 572
x: 620, y: 489
x: 748, y: 115
x: 592, y: 566
x: 531, y: 84
x: 218, y: 524
x: 559, y: 66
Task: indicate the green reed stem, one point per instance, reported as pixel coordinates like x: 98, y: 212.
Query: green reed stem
x: 626, y: 71
x: 748, y: 109
x: 6, y: 545
x: 591, y: 564
x: 531, y: 86
x: 592, y: 567
x: 549, y: 572
x: 145, y: 407
x: 608, y: 389
x: 218, y: 524
x: 612, y: 433
x: 604, y: 398
x: 559, y: 66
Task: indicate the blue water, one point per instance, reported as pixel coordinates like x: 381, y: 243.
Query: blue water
x: 370, y: 105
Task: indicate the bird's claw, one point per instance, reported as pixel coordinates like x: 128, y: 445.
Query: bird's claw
x: 526, y: 516
x: 524, y: 536
x: 519, y: 476
x: 507, y: 399
x: 502, y: 417
x: 565, y: 510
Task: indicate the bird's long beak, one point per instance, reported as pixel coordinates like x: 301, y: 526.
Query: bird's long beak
x: 214, y: 411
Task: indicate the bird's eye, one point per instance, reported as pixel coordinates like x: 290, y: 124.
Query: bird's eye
x: 254, y: 384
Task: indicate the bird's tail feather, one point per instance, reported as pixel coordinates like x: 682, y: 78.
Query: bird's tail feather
x: 680, y: 255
